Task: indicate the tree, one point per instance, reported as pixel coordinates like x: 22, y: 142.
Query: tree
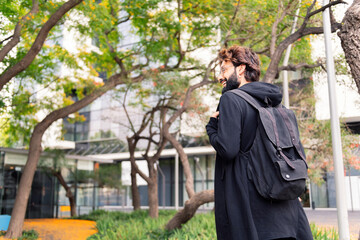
x: 23, y: 62
x: 18, y: 213
x: 152, y: 180
x: 176, y: 54
x: 316, y: 134
x: 133, y: 140
x: 156, y: 47
x: 55, y: 163
x: 108, y: 175
x: 195, y: 199
x: 271, y: 49
x: 280, y: 38
x: 54, y: 168
x: 159, y: 97
x: 350, y: 40
x: 166, y: 40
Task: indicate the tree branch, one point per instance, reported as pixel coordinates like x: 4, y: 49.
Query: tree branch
x: 231, y: 24
x: 189, y: 42
x: 141, y: 173
x: 292, y: 67
x: 188, y: 93
x: 189, y: 210
x: 140, y: 66
x: 159, y: 150
x: 263, y: 51
x: 162, y: 141
x: 38, y: 43
x: 189, y: 184
x: 149, y: 139
x: 126, y: 112
x: 274, y: 28
x: 178, y: 36
x: 17, y: 32
x: 132, y: 141
x: 272, y: 70
x: 111, y: 48
x: 1, y: 42
x: 146, y: 154
x: 238, y: 39
x: 124, y: 20
x: 325, y: 7
x: 112, y: 82
x: 274, y: 34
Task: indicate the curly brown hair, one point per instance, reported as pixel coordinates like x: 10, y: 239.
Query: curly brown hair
x: 242, y: 55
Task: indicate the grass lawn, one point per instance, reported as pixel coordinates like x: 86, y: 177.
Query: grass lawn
x: 137, y: 225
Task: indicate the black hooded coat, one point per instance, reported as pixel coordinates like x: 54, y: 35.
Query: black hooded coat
x: 240, y: 212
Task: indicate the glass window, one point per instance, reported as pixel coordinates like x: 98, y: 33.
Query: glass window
x: 210, y: 166
x: 85, y: 194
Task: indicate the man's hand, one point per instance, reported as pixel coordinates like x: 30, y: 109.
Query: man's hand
x: 215, y: 114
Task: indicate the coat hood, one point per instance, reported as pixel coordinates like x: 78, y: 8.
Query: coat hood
x: 266, y: 93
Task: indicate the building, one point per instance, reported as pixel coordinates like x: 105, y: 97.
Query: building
x: 47, y: 198
x: 100, y: 141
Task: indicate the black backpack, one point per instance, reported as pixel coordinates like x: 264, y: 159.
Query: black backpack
x: 277, y: 164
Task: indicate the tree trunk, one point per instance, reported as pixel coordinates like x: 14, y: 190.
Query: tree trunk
x: 190, y: 208
x: 189, y: 183
x: 350, y: 40
x: 153, y: 191
x: 69, y: 193
x: 195, y: 199
x: 153, y: 198
x: 72, y: 201
x: 134, y: 187
x: 22, y: 196
x: 134, y: 190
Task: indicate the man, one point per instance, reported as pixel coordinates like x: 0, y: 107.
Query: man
x: 240, y: 212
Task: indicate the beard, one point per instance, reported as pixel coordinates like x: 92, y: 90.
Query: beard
x: 231, y: 83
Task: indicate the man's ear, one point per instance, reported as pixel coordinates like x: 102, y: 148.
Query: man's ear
x: 241, y: 69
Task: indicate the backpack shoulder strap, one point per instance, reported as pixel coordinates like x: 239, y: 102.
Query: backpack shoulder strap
x: 247, y: 97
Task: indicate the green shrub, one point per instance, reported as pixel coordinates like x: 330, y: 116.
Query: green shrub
x: 138, y: 226
x: 26, y: 235
x: 29, y: 235
x: 320, y: 233
x: 134, y: 225
x: 200, y: 227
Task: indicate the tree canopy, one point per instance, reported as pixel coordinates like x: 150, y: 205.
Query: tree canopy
x: 57, y: 61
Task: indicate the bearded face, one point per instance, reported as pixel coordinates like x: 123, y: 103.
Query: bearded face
x: 228, y: 76
x: 231, y: 83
